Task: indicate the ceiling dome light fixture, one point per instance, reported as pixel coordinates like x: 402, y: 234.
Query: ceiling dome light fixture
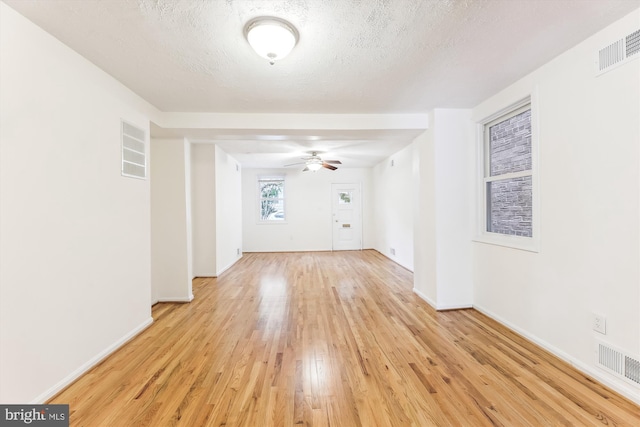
x: 272, y: 38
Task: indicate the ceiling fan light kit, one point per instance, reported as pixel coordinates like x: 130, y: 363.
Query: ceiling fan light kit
x: 272, y: 38
x: 315, y: 163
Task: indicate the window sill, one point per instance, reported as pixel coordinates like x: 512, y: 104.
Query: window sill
x: 514, y: 242
x: 272, y: 223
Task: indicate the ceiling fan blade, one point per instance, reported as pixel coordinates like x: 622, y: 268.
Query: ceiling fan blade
x: 305, y: 169
x: 335, y: 162
x: 295, y: 164
x: 328, y: 166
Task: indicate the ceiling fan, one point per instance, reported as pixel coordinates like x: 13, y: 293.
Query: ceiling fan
x: 315, y: 163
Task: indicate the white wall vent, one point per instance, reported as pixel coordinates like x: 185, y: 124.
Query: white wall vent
x: 632, y: 369
x: 618, y: 362
x: 618, y: 53
x: 134, y: 157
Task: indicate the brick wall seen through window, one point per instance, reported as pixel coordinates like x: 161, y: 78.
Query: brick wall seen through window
x: 508, y: 174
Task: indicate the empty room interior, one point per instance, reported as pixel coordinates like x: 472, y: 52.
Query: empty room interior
x: 418, y: 212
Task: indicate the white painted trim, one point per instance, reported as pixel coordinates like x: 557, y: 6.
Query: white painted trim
x: 513, y: 242
x: 228, y: 266
x: 292, y: 251
x: 391, y: 259
x: 259, y: 220
x: 506, y: 110
x: 266, y: 121
x: 402, y: 265
x: 531, y: 244
x: 360, y: 212
x: 454, y: 307
x: 66, y: 381
x: 425, y: 298
x: 441, y: 307
x: 597, y: 374
x: 177, y: 299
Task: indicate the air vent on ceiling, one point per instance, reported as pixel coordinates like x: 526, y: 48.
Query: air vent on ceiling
x: 618, y: 362
x: 618, y: 52
x: 134, y: 158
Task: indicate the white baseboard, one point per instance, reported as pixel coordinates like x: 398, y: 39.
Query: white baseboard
x: 91, y: 363
x: 425, y: 298
x: 202, y: 274
x: 176, y: 299
x: 441, y: 307
x: 445, y: 307
x: 625, y: 390
x: 402, y: 265
x: 392, y: 259
x: 228, y: 266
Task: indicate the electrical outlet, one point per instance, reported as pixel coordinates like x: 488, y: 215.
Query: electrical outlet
x: 238, y: 251
x: 392, y: 251
x: 599, y: 323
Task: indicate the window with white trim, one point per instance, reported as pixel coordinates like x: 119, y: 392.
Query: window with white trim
x: 508, y: 176
x: 271, y: 199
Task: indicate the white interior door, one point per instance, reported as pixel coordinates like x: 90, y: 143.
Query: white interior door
x: 346, y: 217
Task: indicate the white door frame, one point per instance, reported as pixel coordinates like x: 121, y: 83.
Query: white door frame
x: 334, y: 187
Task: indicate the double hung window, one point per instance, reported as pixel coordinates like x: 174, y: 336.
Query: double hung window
x: 508, y: 193
x: 271, y: 199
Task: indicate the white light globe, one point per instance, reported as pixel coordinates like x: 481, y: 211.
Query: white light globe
x: 315, y: 165
x: 271, y: 38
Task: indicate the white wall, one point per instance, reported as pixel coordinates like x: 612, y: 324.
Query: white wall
x: 444, y: 211
x: 393, y: 206
x: 228, y: 190
x: 203, y: 192
x: 217, y: 210
x: 308, y: 209
x: 589, y: 241
x: 171, y: 262
x: 424, y: 218
x: 75, y: 279
x: 454, y: 203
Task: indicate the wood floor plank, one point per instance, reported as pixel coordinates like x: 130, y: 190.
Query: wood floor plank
x: 331, y: 339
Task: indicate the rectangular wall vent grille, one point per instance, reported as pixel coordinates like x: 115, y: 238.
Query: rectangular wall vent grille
x: 617, y: 362
x: 134, y: 157
x: 633, y: 43
x: 611, y: 55
x: 618, y: 52
x: 610, y: 359
x: 632, y: 369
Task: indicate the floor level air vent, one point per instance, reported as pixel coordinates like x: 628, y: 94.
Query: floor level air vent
x: 632, y: 369
x: 618, y: 52
x: 134, y: 157
x: 618, y: 362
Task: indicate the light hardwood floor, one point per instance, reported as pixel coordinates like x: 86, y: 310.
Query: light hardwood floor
x: 331, y: 339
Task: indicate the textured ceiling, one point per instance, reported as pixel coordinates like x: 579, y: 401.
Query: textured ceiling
x: 354, y: 56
